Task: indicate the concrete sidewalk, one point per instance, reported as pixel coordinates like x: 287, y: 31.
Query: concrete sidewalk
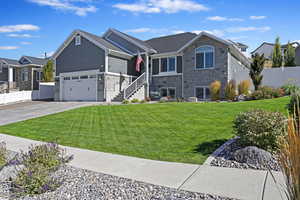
x: 228, y: 182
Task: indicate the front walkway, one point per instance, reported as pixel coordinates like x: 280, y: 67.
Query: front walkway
x: 228, y: 182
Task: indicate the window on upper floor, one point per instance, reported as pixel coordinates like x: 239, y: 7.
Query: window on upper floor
x: 78, y: 40
x: 168, y: 64
x: 205, y: 57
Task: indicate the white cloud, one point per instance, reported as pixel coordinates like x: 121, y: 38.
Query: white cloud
x: 236, y: 38
x: 177, y: 31
x: 25, y: 43
x: 257, y: 17
x: 158, y: 6
x: 8, y: 47
x: 215, y: 32
x: 219, y: 18
x: 18, y: 28
x: 67, y: 5
x: 249, y: 28
x: 15, y: 35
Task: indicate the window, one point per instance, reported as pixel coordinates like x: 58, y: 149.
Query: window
x: 168, y: 64
x: 205, y: 57
x: 84, y: 77
x: 24, y: 74
x: 78, y: 40
x: 67, y: 78
x: 168, y: 92
x: 202, y: 92
x: 92, y: 76
x: 75, y: 77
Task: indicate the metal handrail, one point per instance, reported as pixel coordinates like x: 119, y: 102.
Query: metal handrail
x: 134, y: 86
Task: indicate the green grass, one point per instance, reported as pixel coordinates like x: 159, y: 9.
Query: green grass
x: 179, y: 132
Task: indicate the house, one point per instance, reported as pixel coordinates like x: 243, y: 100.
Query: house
x: 22, y: 74
x: 241, y: 46
x: 103, y: 68
x: 267, y: 49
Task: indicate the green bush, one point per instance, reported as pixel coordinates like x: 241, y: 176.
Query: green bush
x: 39, y: 162
x: 290, y: 88
x: 260, y: 128
x: 125, y: 101
x: 3, y: 153
x: 266, y: 92
x: 294, y: 104
x: 230, y: 90
x: 143, y: 101
x: 135, y: 101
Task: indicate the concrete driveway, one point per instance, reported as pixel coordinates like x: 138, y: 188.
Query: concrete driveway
x: 32, y: 109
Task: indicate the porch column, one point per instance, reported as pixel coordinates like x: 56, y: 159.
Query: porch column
x: 10, y: 78
x: 147, y: 75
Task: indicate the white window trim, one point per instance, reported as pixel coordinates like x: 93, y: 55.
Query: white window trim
x: 77, y: 40
x: 168, y: 72
x: 204, y: 93
x: 214, y: 57
x: 168, y: 90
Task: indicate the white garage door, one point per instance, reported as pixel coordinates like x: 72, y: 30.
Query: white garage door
x: 79, y: 88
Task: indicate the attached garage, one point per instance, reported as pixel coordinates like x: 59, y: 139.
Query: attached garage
x: 79, y: 88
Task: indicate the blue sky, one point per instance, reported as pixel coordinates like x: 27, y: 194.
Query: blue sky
x: 32, y: 27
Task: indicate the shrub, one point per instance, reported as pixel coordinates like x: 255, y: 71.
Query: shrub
x: 289, y: 159
x: 39, y: 162
x: 147, y: 99
x: 215, y: 89
x: 143, y: 101
x: 260, y: 128
x: 3, y: 153
x: 290, y: 88
x: 135, y: 101
x: 294, y: 104
x: 266, y: 92
x: 230, y: 90
x: 244, y: 87
x: 125, y: 101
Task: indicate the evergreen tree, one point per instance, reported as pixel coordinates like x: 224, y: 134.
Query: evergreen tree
x: 289, y: 56
x: 48, y: 72
x: 256, y: 69
x: 277, y: 54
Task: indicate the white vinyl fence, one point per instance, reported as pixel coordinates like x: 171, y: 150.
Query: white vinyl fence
x: 46, y: 92
x: 277, y: 77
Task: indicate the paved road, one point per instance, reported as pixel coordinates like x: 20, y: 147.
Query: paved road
x: 227, y: 182
x: 27, y: 110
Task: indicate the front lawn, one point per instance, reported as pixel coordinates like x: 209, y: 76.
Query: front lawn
x: 179, y: 132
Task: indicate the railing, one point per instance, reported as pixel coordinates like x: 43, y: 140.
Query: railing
x: 134, y: 86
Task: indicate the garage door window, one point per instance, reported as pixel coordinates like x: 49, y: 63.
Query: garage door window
x: 84, y: 77
x: 75, y: 78
x: 67, y: 78
x: 92, y: 76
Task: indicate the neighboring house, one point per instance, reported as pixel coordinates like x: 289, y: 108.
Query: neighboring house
x: 103, y: 68
x: 22, y: 74
x: 267, y: 49
x: 241, y: 46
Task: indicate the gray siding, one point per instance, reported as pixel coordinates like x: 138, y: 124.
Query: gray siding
x: 298, y: 56
x: 265, y: 49
x: 124, y: 43
x: 237, y: 71
x: 204, y: 77
x: 4, y: 74
x: 117, y: 65
x: 86, y: 56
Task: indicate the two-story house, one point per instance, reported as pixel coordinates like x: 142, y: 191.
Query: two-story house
x: 103, y: 68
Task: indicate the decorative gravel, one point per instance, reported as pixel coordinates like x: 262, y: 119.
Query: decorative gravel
x: 88, y: 185
x: 225, y: 158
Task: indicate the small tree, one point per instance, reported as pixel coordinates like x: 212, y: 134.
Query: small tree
x: 277, y: 54
x: 48, y: 72
x: 289, y: 56
x: 256, y: 68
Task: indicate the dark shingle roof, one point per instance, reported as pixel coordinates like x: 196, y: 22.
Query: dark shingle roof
x: 103, y: 41
x: 140, y: 42
x: 10, y: 61
x: 171, y: 43
x: 36, y: 61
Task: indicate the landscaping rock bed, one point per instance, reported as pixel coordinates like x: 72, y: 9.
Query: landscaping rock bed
x: 83, y: 184
x: 233, y: 151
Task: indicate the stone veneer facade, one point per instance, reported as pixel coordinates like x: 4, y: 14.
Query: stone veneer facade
x: 24, y: 85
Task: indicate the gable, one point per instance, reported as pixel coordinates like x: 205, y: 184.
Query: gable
x: 266, y: 49
x: 24, y: 61
x: 123, y: 43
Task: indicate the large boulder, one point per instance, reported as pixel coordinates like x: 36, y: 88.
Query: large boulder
x: 254, y: 156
